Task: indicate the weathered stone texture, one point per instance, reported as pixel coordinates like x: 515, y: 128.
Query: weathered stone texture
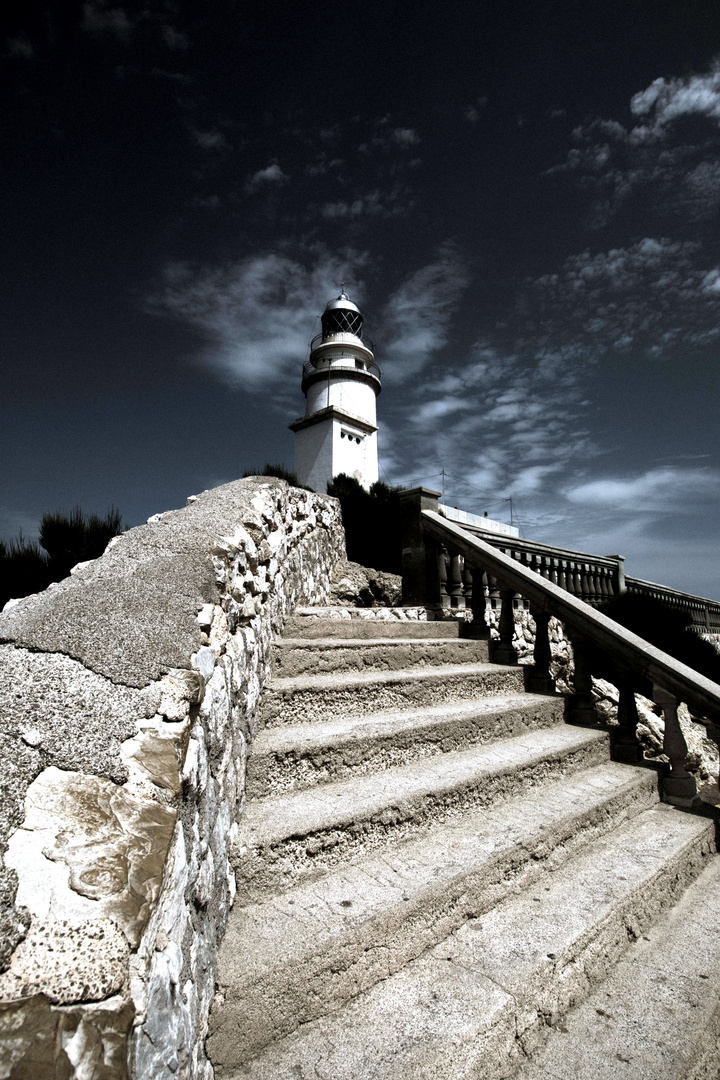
x: 128, y: 698
x: 361, y: 586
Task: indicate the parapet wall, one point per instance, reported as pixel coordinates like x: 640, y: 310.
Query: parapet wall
x: 128, y: 697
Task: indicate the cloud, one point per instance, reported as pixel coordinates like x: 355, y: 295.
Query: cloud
x: 500, y: 423
x: 375, y: 203
x: 209, y: 140
x: 660, y: 489
x: 21, y: 45
x: 472, y: 112
x: 416, y: 317
x: 174, y: 38
x: 271, y: 174
x: 99, y: 18
x: 668, y: 100
x: 256, y: 315
x: 651, y: 297
x: 660, y: 166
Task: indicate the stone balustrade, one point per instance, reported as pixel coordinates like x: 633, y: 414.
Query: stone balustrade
x: 446, y: 566
x: 705, y: 613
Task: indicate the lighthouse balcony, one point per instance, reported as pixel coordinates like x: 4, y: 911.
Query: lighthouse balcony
x: 364, y: 342
x: 346, y: 367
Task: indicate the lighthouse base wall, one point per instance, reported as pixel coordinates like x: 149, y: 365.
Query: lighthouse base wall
x: 335, y: 444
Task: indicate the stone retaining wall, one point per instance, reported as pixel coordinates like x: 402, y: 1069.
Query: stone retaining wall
x: 128, y: 696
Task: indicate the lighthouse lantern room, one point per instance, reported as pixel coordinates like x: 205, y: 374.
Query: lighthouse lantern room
x: 340, y: 381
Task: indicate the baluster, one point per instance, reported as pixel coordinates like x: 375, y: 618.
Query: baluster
x: 503, y: 651
x: 570, y: 577
x: 577, y: 580
x: 582, y: 703
x: 455, y: 585
x: 562, y: 576
x: 593, y: 584
x: 625, y: 745
x: 539, y: 680
x: 546, y: 567
x: 443, y: 558
x: 476, y: 600
x: 584, y: 592
x: 603, y: 583
x: 554, y: 577
x: 467, y: 578
x: 493, y: 592
x: 678, y: 786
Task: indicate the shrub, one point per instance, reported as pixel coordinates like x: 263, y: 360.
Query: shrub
x: 372, y: 522
x: 279, y: 471
x: 65, y: 539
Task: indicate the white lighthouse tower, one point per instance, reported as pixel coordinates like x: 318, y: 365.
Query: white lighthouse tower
x: 340, y: 381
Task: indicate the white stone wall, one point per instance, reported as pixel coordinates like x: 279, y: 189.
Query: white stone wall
x: 128, y: 885
x: 354, y: 396
x: 314, y: 454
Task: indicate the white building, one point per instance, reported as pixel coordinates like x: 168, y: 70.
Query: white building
x: 340, y: 381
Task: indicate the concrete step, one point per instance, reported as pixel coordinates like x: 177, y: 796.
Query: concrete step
x: 292, y: 959
x: 307, y: 698
x: 300, y: 835
x: 478, y: 1002
x: 657, y: 1017
x: 320, y: 656
x: 297, y: 756
x: 368, y: 623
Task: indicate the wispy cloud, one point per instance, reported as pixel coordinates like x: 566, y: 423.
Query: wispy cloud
x: 100, y: 18
x: 209, y: 140
x: 256, y: 314
x: 499, y: 423
x: 174, y: 38
x: 659, y: 164
x: 416, y: 317
x: 375, y: 203
x: 651, y: 297
x: 20, y: 45
x: 662, y: 489
x: 271, y: 175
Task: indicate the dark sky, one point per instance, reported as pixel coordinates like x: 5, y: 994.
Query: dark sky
x: 523, y: 198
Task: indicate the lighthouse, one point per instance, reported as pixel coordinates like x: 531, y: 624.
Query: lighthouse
x: 340, y: 381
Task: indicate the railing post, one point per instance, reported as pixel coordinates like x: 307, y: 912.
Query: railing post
x: 678, y: 786
x: 420, y: 585
x: 442, y: 575
x: 539, y: 679
x: 713, y: 732
x: 618, y: 586
x: 455, y: 584
x: 503, y: 651
x: 582, y: 703
x: 475, y: 595
x: 625, y: 744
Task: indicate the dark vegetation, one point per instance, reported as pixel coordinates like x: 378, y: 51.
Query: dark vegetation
x: 65, y: 539
x: 665, y: 627
x: 271, y: 469
x: 372, y: 522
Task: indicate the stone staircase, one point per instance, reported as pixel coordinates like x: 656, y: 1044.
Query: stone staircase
x: 437, y: 877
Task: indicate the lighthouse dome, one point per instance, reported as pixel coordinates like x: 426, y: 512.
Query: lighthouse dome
x: 341, y: 316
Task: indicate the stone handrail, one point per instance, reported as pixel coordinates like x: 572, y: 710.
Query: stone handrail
x: 593, y: 634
